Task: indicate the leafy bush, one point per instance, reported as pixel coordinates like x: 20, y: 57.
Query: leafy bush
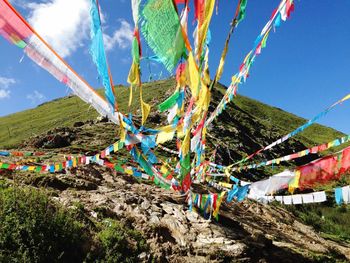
x: 34, y: 229
x: 120, y: 243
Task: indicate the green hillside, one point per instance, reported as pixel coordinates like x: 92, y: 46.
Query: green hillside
x: 66, y: 111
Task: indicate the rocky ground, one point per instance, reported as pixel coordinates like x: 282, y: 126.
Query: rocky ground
x: 245, y: 232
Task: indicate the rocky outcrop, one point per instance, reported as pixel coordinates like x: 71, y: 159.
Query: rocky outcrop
x: 245, y: 232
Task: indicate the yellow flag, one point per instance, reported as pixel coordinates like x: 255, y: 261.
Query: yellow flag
x: 204, y: 98
x: 168, y: 128
x: 196, y: 115
x: 346, y: 98
x: 145, y: 108
x: 134, y: 75
x: 165, y: 136
x: 128, y: 171
x: 234, y: 80
x: 193, y: 75
x: 116, y: 146
x: 180, y: 131
x: 122, y: 134
x: 130, y: 96
x: 227, y: 171
x: 167, y: 133
x: 133, y: 79
x: 185, y: 147
x: 164, y: 169
x: 218, y: 203
x: 222, y: 61
x: 294, y: 183
x: 330, y: 144
x: 227, y: 185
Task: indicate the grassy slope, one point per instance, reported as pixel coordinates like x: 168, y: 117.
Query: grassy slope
x: 19, y: 126
x: 16, y: 127
x: 274, y: 117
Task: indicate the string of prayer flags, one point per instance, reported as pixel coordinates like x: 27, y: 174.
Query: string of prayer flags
x: 51, y: 168
x: 317, y: 172
x: 208, y: 204
x: 243, y: 73
x: 71, y: 161
x: 239, y: 16
x: 17, y: 30
x: 341, y: 196
x: 20, y: 154
x: 296, y: 131
x: 289, y: 157
x: 98, y: 53
x: 315, y: 197
x: 163, y: 32
x: 145, y: 158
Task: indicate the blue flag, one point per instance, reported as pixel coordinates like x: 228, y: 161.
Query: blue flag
x: 98, y: 53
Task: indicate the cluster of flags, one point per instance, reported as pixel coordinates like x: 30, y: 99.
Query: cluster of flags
x: 164, y: 27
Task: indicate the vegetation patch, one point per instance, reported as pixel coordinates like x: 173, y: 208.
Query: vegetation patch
x: 35, y: 229
x: 332, y: 221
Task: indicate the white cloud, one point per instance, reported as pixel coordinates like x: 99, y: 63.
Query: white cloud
x: 36, y: 97
x: 122, y: 36
x: 5, y: 84
x: 4, y: 93
x: 64, y: 24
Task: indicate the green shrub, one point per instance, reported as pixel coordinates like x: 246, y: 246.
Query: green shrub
x: 120, y: 243
x: 34, y: 229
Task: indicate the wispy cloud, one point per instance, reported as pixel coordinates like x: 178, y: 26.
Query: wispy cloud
x: 64, y: 24
x: 4, y: 93
x: 36, y: 97
x: 122, y: 37
x: 5, y: 84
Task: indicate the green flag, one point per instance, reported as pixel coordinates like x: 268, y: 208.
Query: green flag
x: 162, y: 31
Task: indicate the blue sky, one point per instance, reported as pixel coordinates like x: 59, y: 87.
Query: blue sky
x: 303, y: 69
